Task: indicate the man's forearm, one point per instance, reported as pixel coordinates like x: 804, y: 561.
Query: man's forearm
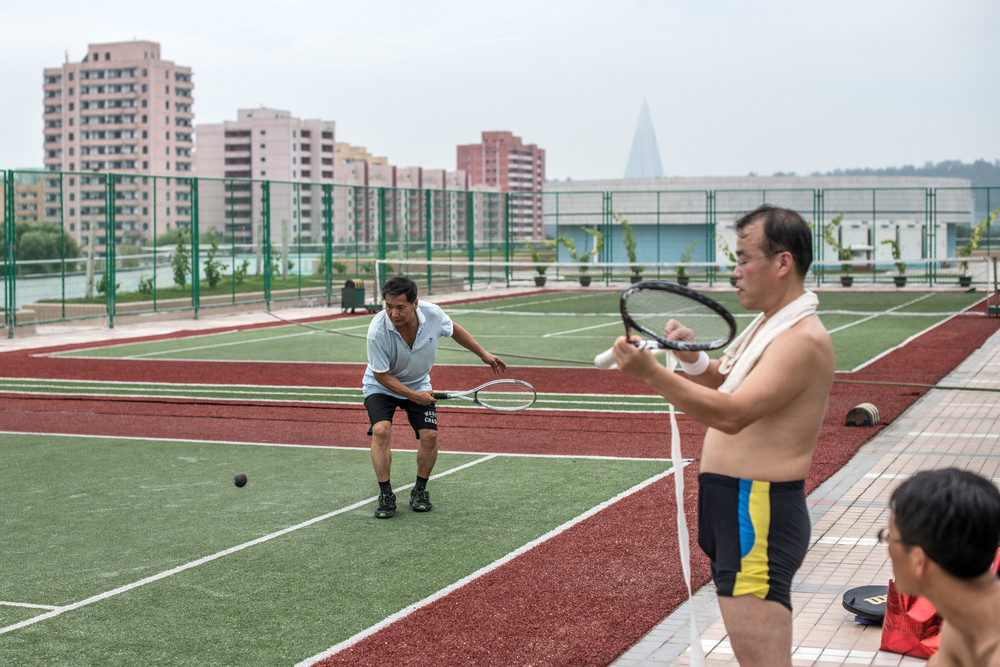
x: 391, y: 383
x: 465, y: 339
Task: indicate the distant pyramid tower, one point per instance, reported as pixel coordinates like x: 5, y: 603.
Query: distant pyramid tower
x: 644, y: 160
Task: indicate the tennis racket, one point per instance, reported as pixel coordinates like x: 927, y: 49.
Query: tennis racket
x: 499, y: 395
x: 649, y: 305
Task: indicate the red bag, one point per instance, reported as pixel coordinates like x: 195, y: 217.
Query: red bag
x: 911, y: 625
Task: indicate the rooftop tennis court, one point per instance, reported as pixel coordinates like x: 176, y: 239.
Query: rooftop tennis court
x: 129, y: 549
x: 143, y: 551
x: 556, y: 329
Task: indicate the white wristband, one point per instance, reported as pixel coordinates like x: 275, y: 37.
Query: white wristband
x: 698, y: 366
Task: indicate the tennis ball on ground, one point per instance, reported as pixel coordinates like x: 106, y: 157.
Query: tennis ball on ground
x: 240, y: 480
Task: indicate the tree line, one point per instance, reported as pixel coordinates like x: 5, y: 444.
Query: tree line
x: 982, y: 173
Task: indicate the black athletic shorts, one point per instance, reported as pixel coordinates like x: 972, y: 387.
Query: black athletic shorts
x: 755, y: 534
x: 381, y: 407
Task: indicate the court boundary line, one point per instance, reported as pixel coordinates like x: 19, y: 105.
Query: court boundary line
x: 594, y: 457
x: 863, y: 315
x: 437, y: 595
x: 55, y: 611
x: 312, y: 396
x: 912, y: 338
x: 100, y: 597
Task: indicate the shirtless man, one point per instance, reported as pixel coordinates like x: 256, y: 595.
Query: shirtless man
x: 762, y: 427
x: 942, y: 538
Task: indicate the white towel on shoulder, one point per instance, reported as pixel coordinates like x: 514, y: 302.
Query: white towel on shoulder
x: 742, y: 354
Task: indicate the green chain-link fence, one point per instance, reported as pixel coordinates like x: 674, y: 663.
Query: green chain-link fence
x: 93, y: 245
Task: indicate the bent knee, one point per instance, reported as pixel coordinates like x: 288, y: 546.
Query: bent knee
x: 382, y: 430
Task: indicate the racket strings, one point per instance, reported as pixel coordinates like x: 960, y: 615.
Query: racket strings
x: 651, y: 310
x: 506, y: 397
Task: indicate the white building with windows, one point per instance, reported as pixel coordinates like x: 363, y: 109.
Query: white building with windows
x: 920, y: 213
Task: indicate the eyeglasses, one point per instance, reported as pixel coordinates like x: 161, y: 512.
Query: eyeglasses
x: 743, y: 262
x: 883, y: 537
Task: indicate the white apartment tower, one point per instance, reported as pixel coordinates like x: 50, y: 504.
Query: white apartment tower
x: 296, y: 156
x: 122, y: 110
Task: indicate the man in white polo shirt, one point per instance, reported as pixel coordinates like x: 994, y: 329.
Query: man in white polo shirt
x: 402, y: 346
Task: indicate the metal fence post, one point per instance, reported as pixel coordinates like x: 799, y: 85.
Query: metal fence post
x: 195, y: 248
x: 110, y: 242
x: 265, y: 196
x: 328, y: 241
x: 381, y: 274
x: 508, y: 254
x: 10, y: 258
x: 470, y: 235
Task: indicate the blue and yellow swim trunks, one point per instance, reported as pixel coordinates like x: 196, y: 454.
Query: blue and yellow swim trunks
x: 755, y: 534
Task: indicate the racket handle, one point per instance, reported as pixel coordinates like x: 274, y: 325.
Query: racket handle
x: 439, y: 395
x: 606, y: 360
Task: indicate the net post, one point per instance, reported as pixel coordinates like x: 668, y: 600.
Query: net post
x: 994, y: 310
x: 10, y: 259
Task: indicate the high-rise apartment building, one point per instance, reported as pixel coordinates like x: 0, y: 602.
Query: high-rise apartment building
x: 347, y: 153
x: 503, y: 161
x: 29, y: 195
x: 122, y: 110
x: 267, y: 144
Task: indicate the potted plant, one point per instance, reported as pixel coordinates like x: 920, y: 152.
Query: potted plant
x: 583, y: 259
x: 844, y: 253
x: 541, y: 263
x: 682, y: 276
x: 900, y: 277
x: 729, y: 255
x: 628, y: 238
x: 974, y: 239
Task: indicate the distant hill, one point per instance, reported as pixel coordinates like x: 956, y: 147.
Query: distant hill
x: 980, y: 172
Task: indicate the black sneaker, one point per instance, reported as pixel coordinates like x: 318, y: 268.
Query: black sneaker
x: 420, y: 500
x: 386, y: 506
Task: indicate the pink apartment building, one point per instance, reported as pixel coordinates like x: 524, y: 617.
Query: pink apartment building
x: 121, y: 110
x: 504, y: 162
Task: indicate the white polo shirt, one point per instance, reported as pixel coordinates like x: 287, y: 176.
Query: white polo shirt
x: 389, y: 353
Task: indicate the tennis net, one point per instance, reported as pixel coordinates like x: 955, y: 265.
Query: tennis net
x: 942, y: 285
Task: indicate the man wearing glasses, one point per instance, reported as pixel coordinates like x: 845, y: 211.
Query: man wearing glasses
x: 943, y: 536
x: 763, y: 403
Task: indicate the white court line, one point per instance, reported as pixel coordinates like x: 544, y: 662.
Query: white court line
x: 27, y: 604
x: 593, y: 326
x: 193, y: 348
x: 206, y: 347
x: 555, y: 299
x: 267, y: 394
x: 342, y: 448
x: 902, y: 344
x: 57, y: 611
x: 875, y: 315
x: 406, y: 611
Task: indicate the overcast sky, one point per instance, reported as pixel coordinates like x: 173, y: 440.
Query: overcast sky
x: 733, y: 86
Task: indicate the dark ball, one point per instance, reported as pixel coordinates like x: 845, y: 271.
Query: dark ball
x: 240, y: 480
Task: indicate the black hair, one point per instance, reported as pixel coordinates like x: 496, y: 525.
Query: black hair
x: 953, y: 515
x: 400, y: 285
x: 784, y: 230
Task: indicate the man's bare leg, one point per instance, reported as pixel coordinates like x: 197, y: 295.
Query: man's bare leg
x: 760, y: 631
x: 427, y: 452
x: 381, y: 452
